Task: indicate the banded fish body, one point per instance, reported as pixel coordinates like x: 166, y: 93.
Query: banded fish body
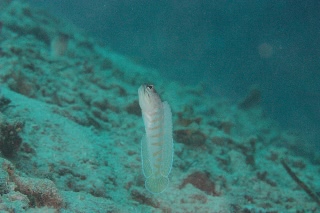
x: 157, y: 143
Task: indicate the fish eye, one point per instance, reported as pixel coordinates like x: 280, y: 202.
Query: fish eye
x: 150, y: 86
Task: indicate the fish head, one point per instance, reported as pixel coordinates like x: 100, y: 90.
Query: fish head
x: 149, y: 99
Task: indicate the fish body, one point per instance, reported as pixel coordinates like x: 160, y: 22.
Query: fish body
x: 157, y: 143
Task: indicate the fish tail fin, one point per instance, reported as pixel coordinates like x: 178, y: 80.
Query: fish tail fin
x: 156, y: 184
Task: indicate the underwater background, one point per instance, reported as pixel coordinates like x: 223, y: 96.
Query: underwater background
x: 241, y: 78
x: 226, y: 46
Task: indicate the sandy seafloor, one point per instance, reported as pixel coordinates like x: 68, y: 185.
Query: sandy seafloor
x: 71, y: 127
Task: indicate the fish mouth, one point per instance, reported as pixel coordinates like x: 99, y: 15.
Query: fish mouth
x: 143, y: 94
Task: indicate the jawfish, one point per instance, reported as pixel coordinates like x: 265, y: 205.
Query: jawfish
x: 157, y: 143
